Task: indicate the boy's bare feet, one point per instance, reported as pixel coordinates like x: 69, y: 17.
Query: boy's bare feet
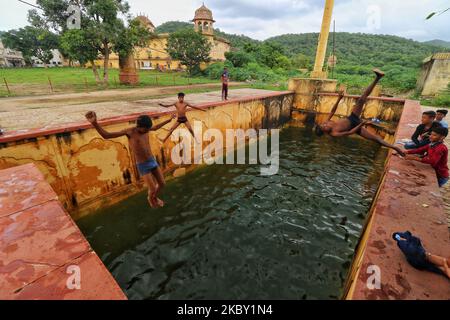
x: 379, y: 73
x: 151, y: 201
x: 158, y: 203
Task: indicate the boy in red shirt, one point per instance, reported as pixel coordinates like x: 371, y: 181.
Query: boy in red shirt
x: 434, y: 154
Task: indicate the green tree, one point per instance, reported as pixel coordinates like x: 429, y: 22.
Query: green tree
x: 82, y: 46
x: 282, y: 62
x: 239, y: 58
x: 301, y: 61
x: 100, y: 20
x: 32, y: 42
x: 190, y: 47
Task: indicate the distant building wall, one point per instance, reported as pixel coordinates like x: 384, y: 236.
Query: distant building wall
x: 435, y: 75
x: 57, y: 60
x: 10, y: 58
x: 155, y: 56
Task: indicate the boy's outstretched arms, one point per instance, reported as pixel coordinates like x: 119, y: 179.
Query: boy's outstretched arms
x: 335, y: 107
x: 92, y: 118
x: 167, y: 105
x: 194, y: 107
x: 162, y: 124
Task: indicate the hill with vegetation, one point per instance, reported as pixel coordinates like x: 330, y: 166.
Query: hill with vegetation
x: 440, y: 43
x: 357, y: 54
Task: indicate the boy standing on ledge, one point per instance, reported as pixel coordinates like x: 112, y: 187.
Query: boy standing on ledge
x: 353, y: 124
x: 434, y: 154
x: 225, y: 80
x: 140, y: 146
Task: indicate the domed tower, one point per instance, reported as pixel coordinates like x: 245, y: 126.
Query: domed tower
x: 203, y: 20
x: 145, y: 21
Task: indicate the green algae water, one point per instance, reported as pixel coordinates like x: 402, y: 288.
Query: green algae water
x: 229, y: 233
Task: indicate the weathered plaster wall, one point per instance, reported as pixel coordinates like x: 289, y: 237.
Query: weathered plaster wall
x: 435, y: 75
x: 88, y: 172
x: 319, y: 97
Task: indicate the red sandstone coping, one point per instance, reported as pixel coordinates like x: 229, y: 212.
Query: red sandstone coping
x: 12, y: 136
x: 39, y: 241
x: 387, y: 99
x: 409, y: 200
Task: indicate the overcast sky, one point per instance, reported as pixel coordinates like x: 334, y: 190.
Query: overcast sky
x: 262, y: 19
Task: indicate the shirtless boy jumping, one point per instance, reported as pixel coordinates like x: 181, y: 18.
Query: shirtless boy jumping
x: 181, y: 106
x: 353, y: 124
x: 140, y: 146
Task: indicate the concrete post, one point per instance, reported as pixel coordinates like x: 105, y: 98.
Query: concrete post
x: 306, y: 92
x: 323, y: 41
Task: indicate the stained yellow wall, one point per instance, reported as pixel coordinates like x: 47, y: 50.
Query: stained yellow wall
x: 88, y: 172
x: 436, y: 77
x: 310, y: 96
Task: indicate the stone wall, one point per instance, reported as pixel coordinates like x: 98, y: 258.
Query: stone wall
x: 435, y: 75
x: 88, y: 173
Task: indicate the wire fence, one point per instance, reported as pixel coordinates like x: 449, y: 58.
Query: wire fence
x: 47, y: 84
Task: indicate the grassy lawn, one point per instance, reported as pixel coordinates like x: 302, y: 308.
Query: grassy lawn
x: 29, y: 81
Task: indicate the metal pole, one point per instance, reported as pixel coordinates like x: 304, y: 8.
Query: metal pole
x: 334, y: 49
x: 323, y: 41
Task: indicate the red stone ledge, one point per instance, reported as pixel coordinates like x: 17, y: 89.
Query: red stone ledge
x: 12, y: 136
x: 408, y: 199
x: 39, y: 241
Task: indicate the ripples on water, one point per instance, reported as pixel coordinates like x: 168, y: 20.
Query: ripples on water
x: 229, y: 233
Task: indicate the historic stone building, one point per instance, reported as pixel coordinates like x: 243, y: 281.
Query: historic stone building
x: 155, y: 56
x: 10, y: 58
x: 435, y: 76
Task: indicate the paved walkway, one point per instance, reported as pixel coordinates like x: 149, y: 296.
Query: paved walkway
x: 49, y: 111
x: 41, y: 247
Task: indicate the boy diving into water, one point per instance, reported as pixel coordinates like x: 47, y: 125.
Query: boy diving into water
x: 353, y: 124
x: 140, y: 146
x: 181, y: 107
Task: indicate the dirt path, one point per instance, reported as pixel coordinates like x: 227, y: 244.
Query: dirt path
x: 46, y: 101
x: 21, y: 114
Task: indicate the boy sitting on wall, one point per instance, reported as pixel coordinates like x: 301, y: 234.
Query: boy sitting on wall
x: 434, y: 154
x: 421, y: 136
x: 440, y: 115
x: 140, y: 146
